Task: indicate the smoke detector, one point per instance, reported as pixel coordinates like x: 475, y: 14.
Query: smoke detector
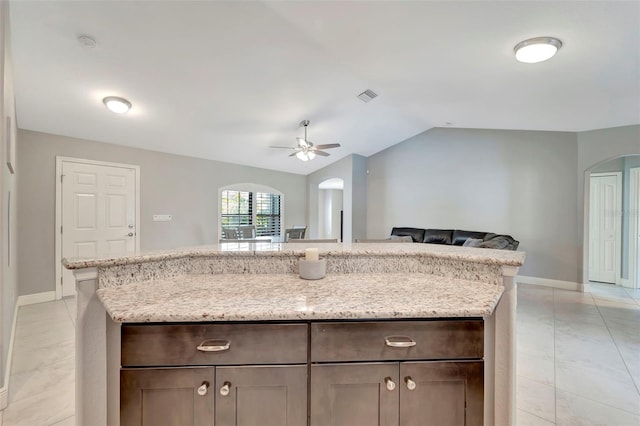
x: 367, y: 95
x: 86, y: 41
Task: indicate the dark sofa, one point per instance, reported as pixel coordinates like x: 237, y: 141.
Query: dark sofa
x: 457, y: 237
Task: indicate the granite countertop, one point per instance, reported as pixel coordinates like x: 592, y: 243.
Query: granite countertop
x: 258, y: 297
x: 469, y: 254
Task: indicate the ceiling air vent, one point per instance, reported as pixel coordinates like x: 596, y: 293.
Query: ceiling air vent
x: 367, y: 95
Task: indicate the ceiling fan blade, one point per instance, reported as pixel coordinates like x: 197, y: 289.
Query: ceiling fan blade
x: 293, y: 154
x: 328, y: 145
x: 324, y: 154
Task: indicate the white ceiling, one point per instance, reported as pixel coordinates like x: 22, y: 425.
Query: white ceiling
x: 225, y: 80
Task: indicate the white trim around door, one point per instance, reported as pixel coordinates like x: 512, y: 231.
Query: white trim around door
x: 58, y: 224
x: 634, y: 228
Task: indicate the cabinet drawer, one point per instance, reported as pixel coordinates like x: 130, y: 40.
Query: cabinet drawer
x: 213, y: 344
x: 397, y: 340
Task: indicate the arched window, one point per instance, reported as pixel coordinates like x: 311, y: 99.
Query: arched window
x: 250, y: 205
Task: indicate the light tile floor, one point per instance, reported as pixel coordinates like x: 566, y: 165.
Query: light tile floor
x: 42, y: 381
x: 578, y: 360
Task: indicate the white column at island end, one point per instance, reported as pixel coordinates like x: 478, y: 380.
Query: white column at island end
x: 91, y: 351
x: 505, y: 351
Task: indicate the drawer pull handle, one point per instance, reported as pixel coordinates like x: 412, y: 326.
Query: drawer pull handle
x: 214, y: 346
x: 390, y: 383
x: 399, y: 342
x: 202, y: 390
x: 411, y: 385
x: 225, y: 389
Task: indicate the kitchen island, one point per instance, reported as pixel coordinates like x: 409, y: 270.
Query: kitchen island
x: 378, y: 289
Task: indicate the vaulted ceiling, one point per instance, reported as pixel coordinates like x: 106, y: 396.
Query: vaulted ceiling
x: 225, y: 80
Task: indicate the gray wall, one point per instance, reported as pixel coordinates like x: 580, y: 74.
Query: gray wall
x: 352, y: 170
x: 9, y: 228
x: 521, y: 183
x: 595, y: 147
x: 184, y: 187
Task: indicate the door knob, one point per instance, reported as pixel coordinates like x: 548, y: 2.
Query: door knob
x: 225, y: 389
x: 130, y: 234
x: 131, y: 226
x: 390, y: 383
x: 202, y: 390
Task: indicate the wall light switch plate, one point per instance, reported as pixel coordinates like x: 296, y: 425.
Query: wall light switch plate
x: 162, y: 217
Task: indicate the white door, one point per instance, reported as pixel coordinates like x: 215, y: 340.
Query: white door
x: 604, y: 228
x: 98, y: 213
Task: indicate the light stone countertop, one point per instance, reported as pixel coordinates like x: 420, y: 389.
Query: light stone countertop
x: 237, y: 249
x: 255, y: 297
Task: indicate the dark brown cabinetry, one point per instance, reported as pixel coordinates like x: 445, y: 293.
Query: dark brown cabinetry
x: 183, y: 393
x: 175, y: 396
x: 382, y: 373
x: 437, y: 378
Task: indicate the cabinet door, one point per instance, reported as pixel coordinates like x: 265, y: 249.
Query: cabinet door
x: 261, y: 395
x: 354, y: 394
x: 166, y: 397
x: 441, y: 393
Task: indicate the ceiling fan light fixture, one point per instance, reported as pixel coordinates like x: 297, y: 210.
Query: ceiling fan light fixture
x: 311, y: 155
x: 302, y: 156
x: 117, y: 104
x: 537, y: 49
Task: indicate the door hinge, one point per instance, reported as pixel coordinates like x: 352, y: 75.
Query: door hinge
x: 61, y: 178
x: 61, y: 229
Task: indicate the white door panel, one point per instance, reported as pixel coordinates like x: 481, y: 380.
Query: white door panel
x: 605, y: 228
x: 98, y: 213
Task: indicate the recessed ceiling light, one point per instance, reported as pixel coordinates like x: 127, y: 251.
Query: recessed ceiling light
x: 116, y: 104
x: 537, y: 49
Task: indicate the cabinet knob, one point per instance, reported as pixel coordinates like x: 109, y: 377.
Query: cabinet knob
x: 225, y: 389
x: 202, y: 390
x: 390, y: 383
x: 411, y: 385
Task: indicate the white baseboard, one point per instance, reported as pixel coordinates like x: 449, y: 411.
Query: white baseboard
x: 546, y: 282
x: 30, y: 299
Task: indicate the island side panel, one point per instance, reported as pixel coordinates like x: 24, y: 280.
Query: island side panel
x: 489, y: 369
x: 91, y: 352
x: 505, y: 351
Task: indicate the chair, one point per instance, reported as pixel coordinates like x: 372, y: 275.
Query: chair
x: 229, y: 234
x: 246, y: 231
x: 327, y: 240
x: 294, y: 233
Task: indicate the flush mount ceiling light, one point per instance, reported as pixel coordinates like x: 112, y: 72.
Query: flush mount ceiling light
x: 116, y: 104
x: 537, y: 49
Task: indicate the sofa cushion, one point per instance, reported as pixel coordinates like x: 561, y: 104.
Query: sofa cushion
x: 438, y: 236
x: 401, y: 239
x: 496, y: 241
x: 417, y: 234
x: 459, y: 237
x: 472, y: 242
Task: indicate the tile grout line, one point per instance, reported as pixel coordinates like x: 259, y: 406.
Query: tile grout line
x: 624, y: 361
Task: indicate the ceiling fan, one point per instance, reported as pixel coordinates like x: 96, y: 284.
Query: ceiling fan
x: 306, y: 150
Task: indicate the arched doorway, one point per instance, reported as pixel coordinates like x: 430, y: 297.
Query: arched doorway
x: 330, y: 208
